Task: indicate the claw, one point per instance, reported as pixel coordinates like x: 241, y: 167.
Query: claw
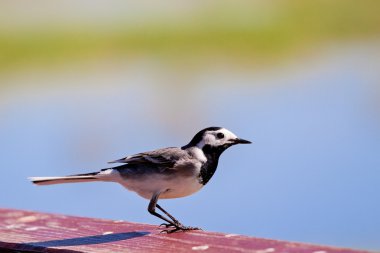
x: 166, y: 225
x: 172, y: 228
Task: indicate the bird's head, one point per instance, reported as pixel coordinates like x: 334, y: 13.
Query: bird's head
x: 216, y: 138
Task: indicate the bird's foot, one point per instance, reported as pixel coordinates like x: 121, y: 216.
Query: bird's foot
x: 172, y: 228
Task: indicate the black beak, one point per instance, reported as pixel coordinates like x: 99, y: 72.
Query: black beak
x: 240, y: 141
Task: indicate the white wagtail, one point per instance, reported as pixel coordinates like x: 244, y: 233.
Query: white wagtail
x: 164, y: 173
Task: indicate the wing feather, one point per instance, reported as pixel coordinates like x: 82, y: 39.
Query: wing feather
x: 164, y: 157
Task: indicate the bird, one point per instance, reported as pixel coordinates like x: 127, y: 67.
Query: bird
x: 165, y: 173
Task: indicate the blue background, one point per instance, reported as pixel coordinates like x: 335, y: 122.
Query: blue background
x: 311, y: 175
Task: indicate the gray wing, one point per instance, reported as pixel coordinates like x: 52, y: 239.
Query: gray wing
x: 166, y: 161
x: 164, y: 157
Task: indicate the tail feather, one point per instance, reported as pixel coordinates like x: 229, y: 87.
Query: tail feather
x: 62, y: 180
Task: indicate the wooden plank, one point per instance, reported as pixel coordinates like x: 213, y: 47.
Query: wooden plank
x: 27, y: 231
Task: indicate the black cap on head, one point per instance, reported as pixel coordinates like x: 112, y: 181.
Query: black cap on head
x: 198, y: 137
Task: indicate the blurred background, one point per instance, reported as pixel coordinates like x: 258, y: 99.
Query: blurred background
x: 85, y: 82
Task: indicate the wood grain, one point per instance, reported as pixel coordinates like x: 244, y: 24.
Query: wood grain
x: 26, y: 231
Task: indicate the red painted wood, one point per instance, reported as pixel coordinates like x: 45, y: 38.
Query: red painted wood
x: 43, y: 232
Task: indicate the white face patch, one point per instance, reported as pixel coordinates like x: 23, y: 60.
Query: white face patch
x: 216, y: 138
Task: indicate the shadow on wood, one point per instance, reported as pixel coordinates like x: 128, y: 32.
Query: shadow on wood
x: 87, y: 240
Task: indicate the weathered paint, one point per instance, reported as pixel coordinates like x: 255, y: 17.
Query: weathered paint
x: 41, y: 232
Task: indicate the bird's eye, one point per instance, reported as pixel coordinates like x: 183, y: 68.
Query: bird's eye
x: 220, y: 136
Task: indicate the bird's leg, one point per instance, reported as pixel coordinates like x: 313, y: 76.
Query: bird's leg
x: 170, y: 223
x: 152, y: 209
x: 168, y: 214
x: 178, y: 224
